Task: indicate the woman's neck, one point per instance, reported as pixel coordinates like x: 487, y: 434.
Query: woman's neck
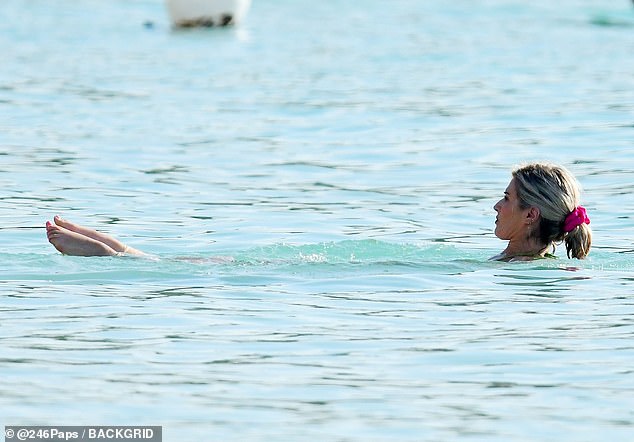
x: 527, y: 249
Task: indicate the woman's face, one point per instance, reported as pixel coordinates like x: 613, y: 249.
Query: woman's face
x: 510, y: 222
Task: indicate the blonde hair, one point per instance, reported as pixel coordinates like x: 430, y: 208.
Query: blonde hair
x: 556, y: 193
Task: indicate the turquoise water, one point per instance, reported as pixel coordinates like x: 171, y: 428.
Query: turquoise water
x: 347, y: 160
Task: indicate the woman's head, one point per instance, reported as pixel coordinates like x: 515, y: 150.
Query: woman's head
x: 555, y: 192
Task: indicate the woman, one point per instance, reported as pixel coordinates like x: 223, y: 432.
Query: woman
x: 541, y: 208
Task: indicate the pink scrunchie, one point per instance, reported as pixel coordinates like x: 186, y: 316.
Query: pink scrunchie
x: 575, y: 219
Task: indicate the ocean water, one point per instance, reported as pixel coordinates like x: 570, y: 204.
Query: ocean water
x: 316, y: 187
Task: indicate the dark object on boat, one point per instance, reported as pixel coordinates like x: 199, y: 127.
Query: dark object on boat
x: 206, y: 22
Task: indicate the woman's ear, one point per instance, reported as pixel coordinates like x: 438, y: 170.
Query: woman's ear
x: 533, y: 214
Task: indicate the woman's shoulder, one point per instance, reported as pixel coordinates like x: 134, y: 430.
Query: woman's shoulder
x: 521, y: 258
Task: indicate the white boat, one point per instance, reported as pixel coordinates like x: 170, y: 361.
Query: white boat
x: 193, y: 13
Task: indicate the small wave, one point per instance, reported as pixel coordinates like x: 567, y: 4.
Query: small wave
x: 612, y: 21
x: 354, y: 252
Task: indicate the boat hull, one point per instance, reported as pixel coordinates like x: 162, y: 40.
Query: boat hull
x: 191, y: 13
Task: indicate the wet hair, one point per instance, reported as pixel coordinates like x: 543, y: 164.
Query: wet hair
x: 556, y: 193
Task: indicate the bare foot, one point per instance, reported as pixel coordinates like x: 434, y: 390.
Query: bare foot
x: 104, y: 238
x: 76, y: 244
